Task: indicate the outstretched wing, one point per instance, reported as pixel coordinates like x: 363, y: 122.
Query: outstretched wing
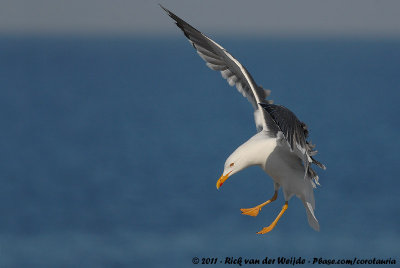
x: 295, y: 133
x: 217, y: 58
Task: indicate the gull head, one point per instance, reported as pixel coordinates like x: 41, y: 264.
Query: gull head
x: 235, y: 163
x: 253, y: 152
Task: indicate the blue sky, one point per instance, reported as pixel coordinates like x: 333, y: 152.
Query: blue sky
x: 363, y: 18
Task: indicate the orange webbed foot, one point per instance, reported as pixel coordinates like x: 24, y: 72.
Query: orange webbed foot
x: 254, y: 211
x: 251, y: 211
x: 266, y: 229
x: 273, y: 224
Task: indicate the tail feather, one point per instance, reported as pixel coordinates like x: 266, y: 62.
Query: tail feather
x: 312, y: 220
x: 309, y: 204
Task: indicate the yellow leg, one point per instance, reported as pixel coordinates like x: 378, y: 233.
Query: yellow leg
x: 273, y: 224
x: 254, y: 211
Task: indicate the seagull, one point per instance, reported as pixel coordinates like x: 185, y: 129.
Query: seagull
x: 280, y: 146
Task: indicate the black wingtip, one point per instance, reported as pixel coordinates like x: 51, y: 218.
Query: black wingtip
x: 166, y: 10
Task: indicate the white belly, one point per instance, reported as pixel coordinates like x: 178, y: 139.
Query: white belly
x: 286, y: 169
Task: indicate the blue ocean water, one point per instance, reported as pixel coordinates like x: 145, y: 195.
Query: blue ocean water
x: 111, y: 148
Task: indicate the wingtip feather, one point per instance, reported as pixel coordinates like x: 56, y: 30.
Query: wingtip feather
x: 166, y: 10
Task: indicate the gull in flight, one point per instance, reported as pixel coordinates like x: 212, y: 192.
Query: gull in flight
x: 280, y: 146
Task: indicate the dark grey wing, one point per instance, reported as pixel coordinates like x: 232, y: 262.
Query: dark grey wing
x: 217, y: 58
x: 295, y: 133
x: 293, y: 129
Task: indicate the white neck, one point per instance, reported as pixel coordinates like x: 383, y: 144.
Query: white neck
x: 255, y: 151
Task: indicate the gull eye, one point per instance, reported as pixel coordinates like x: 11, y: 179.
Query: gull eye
x: 231, y: 165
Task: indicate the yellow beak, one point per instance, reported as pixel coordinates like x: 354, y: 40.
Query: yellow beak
x: 222, y: 179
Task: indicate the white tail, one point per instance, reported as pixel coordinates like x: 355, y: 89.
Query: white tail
x: 312, y: 220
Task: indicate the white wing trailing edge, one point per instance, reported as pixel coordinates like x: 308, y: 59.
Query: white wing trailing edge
x: 217, y: 58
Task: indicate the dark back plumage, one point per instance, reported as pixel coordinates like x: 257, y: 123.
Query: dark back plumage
x: 293, y: 129
x: 295, y: 133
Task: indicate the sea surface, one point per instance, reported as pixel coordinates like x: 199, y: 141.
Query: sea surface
x: 110, y: 148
